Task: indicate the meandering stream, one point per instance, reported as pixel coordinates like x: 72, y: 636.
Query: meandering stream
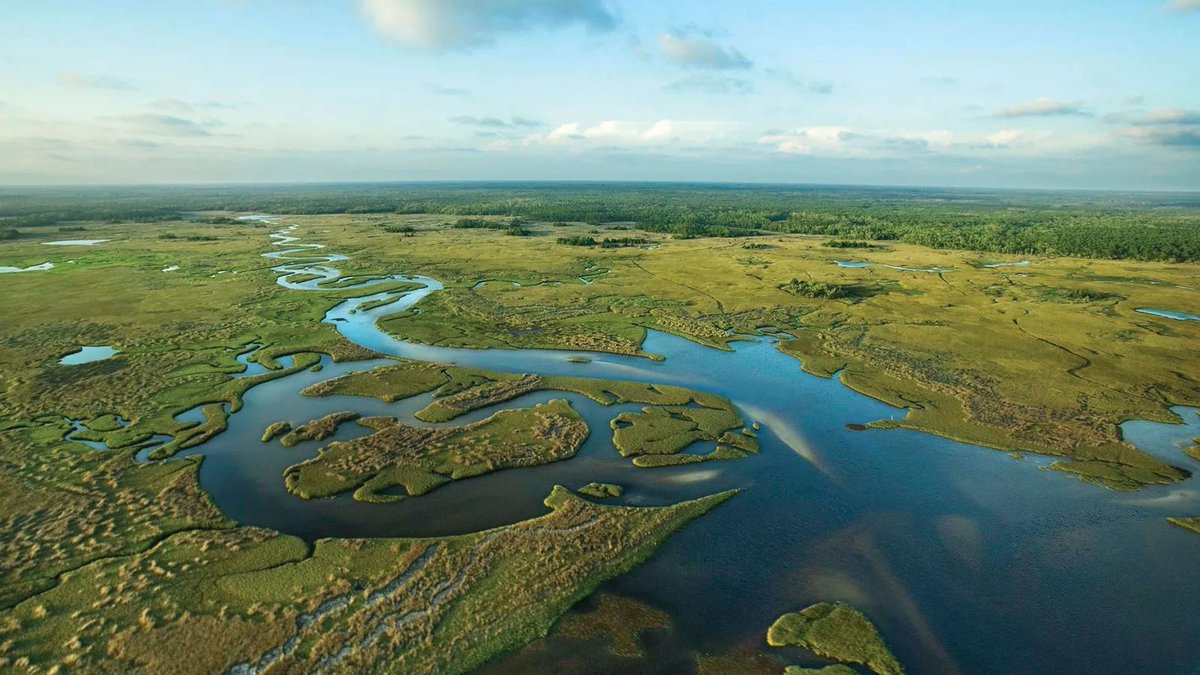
x: 969, y: 561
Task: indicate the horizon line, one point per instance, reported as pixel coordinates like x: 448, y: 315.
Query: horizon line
x: 592, y: 182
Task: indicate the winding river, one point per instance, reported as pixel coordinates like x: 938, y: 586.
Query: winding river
x: 969, y: 560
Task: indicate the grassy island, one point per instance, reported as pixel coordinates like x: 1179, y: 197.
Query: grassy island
x: 420, y: 459
x: 838, y: 632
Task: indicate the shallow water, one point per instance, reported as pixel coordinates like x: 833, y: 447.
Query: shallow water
x: 31, y: 268
x: 74, y: 242
x: 969, y: 561
x: 87, y: 355
x: 927, y: 270
x: 1168, y: 314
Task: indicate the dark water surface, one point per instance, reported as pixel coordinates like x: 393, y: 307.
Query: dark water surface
x: 968, y: 560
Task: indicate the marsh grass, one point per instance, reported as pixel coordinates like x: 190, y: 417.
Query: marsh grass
x: 838, y: 632
x: 421, y: 459
x: 670, y: 430
x: 315, y: 430
x: 275, y: 429
x: 250, y: 596
x: 601, y: 490
x: 1192, y: 524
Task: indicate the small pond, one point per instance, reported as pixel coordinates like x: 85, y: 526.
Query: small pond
x: 87, y: 355
x: 74, y: 242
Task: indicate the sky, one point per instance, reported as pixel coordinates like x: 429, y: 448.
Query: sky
x: 1095, y: 94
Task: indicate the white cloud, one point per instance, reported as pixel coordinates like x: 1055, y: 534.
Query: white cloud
x: 497, y: 146
x: 621, y: 132
x: 1005, y: 138
x: 700, y: 52
x: 838, y: 141
x: 1044, y: 107
x: 463, y: 24
x: 495, y: 122
x: 1168, y: 136
x: 1171, y: 116
x: 812, y: 141
x: 1171, y: 127
x: 564, y: 131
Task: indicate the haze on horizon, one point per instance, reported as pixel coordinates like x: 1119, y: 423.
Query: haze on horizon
x: 1073, y: 94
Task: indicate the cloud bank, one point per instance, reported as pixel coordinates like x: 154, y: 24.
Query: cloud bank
x: 495, y: 122
x: 693, y: 51
x: 1171, y: 127
x: 444, y: 25
x: 1045, y: 107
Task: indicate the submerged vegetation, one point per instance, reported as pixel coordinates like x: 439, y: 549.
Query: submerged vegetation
x: 618, y: 619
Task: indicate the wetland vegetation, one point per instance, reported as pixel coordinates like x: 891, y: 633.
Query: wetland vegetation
x: 421, y: 459
x: 838, y: 632
x: 116, y: 556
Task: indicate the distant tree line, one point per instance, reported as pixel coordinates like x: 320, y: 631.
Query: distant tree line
x: 406, y: 230
x: 612, y: 242
x: 577, y: 240
x: 1137, y: 226
x: 843, y: 243
x: 218, y: 220
x: 621, y: 242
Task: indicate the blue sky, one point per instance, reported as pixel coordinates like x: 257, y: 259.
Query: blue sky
x: 1050, y: 94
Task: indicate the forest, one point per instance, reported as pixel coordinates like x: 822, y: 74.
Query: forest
x: 1135, y: 226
